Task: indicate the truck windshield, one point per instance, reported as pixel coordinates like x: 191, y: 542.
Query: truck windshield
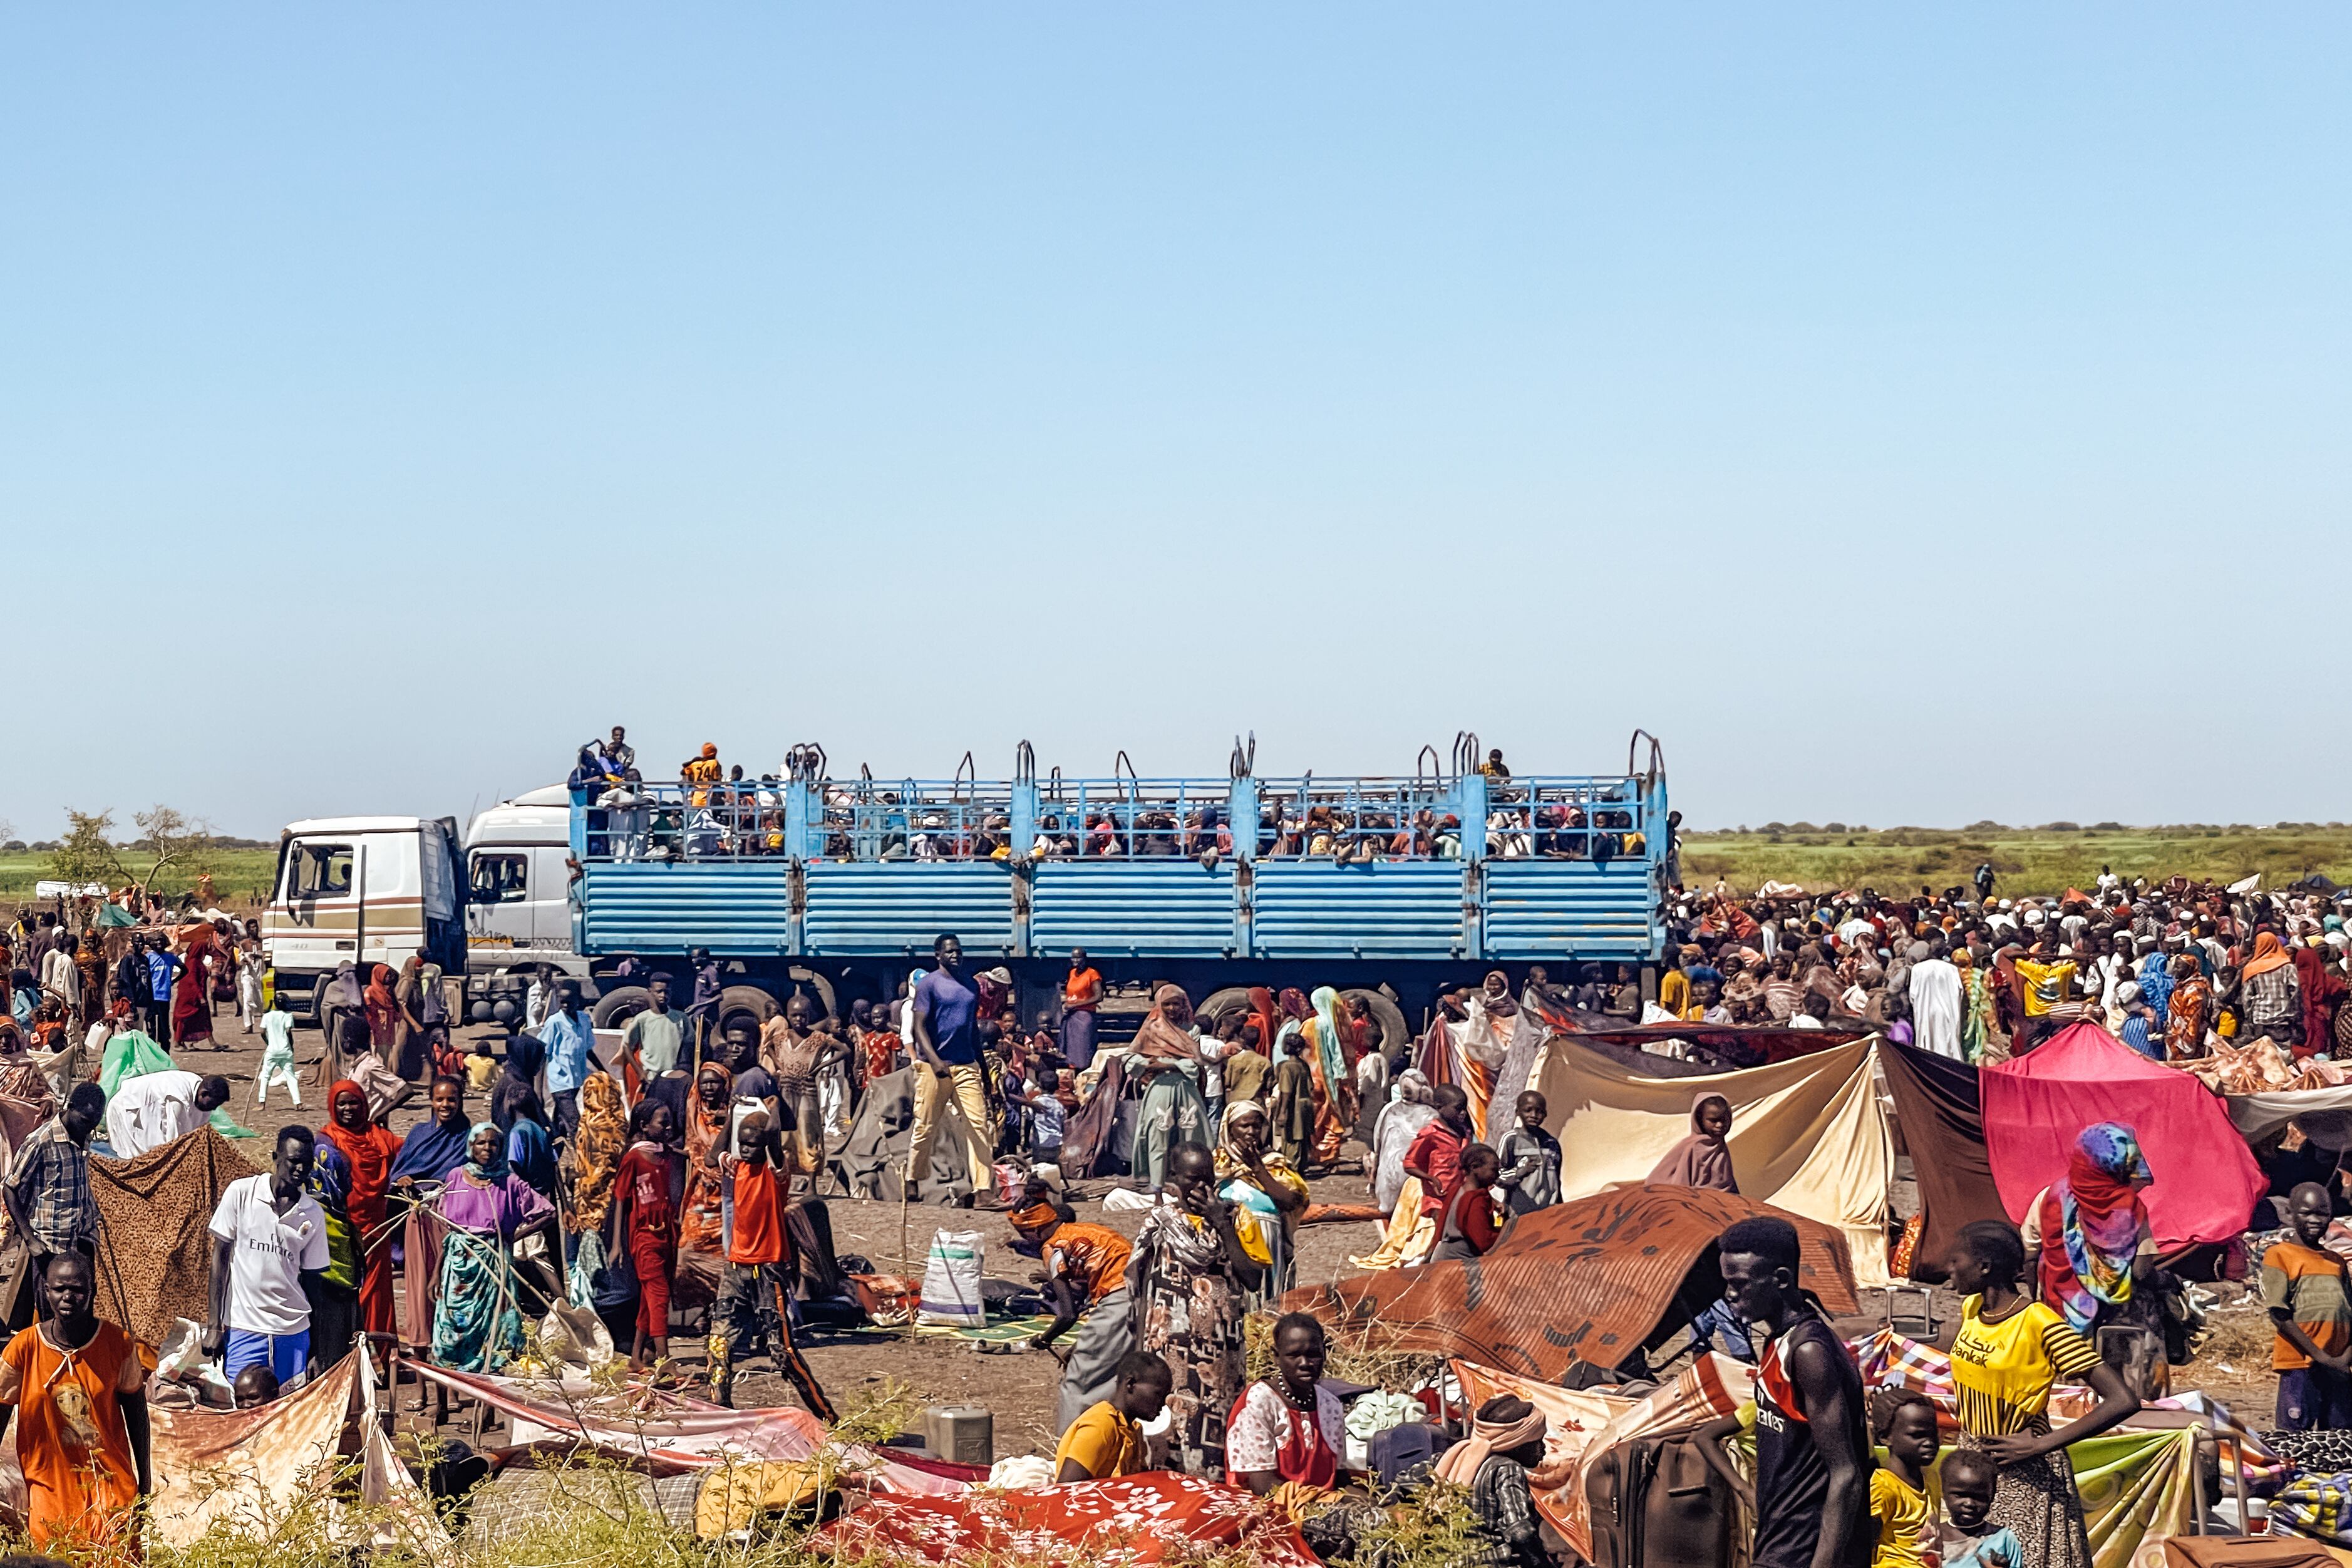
x: 499, y: 879
x: 318, y: 871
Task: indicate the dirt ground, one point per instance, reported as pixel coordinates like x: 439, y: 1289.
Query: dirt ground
x: 1018, y: 1386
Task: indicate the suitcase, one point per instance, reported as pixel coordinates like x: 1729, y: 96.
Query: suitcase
x: 1656, y: 1504
x: 2244, y: 1551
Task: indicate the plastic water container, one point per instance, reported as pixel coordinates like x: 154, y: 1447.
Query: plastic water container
x: 960, y: 1433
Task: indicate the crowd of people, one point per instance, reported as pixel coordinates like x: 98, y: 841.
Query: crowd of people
x: 669, y: 1177
x: 2179, y: 971
x: 715, y: 810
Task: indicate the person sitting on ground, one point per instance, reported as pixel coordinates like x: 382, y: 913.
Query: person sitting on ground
x: 1505, y: 1442
x: 1904, y: 1425
x: 1289, y: 1428
x: 1530, y: 1158
x: 1969, y: 1538
x: 1466, y: 1225
x: 1107, y: 1439
x: 481, y: 1067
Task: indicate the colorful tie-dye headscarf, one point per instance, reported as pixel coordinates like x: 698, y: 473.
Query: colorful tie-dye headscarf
x: 2091, y: 1223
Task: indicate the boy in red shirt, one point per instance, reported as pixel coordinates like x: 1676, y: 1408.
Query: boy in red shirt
x: 760, y: 1265
x: 1434, y: 1156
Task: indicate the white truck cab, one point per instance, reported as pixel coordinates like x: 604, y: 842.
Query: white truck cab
x: 519, y: 898
x: 360, y: 891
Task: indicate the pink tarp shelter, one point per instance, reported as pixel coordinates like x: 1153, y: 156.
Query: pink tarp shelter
x: 2206, y: 1178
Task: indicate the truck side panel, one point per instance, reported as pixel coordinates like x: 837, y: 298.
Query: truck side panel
x: 658, y: 906
x: 887, y: 906
x: 1399, y: 910
x: 1539, y: 910
x: 1133, y: 909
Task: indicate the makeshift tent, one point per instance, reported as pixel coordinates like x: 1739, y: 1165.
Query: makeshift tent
x: 670, y: 1434
x: 2257, y: 1116
x: 154, y: 1244
x: 871, y: 1156
x: 2037, y: 1104
x: 1583, y: 1280
x: 246, y: 1470
x: 1586, y: 1423
x: 1155, y: 1517
x: 1808, y: 1136
x: 1937, y: 1106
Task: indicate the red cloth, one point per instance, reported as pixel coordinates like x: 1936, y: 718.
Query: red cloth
x: 1154, y: 1517
x: 1472, y: 1213
x: 1437, y: 1149
x: 2319, y: 987
x: 2036, y: 1105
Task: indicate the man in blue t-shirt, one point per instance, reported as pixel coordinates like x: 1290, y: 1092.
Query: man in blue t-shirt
x: 946, y: 1049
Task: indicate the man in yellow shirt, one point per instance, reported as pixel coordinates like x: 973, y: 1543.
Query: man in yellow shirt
x: 1107, y: 1440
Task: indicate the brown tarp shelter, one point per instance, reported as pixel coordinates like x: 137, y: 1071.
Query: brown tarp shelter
x: 1942, y: 1120
x: 154, y: 1249
x: 1583, y: 1280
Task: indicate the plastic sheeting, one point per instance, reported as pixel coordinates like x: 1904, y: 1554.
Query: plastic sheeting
x: 1938, y: 1105
x: 1809, y: 1136
x: 243, y: 1470
x: 1589, y: 1422
x: 1583, y: 1280
x: 2037, y: 1104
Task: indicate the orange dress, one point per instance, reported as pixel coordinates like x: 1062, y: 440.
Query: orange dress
x: 80, y: 1482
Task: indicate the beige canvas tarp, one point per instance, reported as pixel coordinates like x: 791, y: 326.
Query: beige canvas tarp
x: 1809, y: 1136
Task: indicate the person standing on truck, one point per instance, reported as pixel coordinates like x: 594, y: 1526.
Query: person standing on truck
x: 1082, y: 993
x: 946, y: 1045
x: 618, y: 755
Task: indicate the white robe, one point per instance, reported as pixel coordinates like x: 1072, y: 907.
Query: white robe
x: 1936, y: 1007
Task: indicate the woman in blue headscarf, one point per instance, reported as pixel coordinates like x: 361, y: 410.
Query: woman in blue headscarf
x: 2156, y: 983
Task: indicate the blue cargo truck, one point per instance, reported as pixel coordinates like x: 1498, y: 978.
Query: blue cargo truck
x: 1390, y: 888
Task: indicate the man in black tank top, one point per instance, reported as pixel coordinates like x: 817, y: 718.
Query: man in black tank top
x: 1812, y: 1454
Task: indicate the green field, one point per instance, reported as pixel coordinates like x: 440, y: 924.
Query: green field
x: 2038, y: 860
x: 241, y: 877
x: 2029, y: 861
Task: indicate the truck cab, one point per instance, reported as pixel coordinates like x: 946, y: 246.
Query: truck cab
x: 518, y: 897
x: 360, y: 891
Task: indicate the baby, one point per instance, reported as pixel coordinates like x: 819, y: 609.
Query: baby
x: 1970, y: 1538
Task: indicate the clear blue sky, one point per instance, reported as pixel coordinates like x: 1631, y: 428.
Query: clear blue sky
x: 1912, y: 418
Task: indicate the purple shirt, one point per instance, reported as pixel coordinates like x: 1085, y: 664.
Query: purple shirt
x: 500, y: 1211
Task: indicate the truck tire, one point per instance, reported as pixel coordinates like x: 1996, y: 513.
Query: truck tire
x: 1232, y: 998
x: 1395, y: 1037
x: 617, y: 1007
x: 746, y: 1002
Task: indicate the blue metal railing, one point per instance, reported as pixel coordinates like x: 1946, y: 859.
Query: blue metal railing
x: 1469, y: 817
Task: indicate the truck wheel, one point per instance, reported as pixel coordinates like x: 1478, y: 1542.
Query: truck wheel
x: 820, y: 989
x: 748, y: 1003
x: 1395, y: 1037
x: 617, y: 1007
x: 1231, y: 999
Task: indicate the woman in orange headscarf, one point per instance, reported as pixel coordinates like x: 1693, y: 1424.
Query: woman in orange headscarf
x: 367, y: 1151
x: 2268, y: 992
x: 701, y: 1239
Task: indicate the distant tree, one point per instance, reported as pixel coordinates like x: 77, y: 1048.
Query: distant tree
x: 86, y: 852
x: 170, y: 838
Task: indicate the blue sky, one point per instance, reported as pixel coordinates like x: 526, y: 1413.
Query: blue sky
x: 1912, y: 418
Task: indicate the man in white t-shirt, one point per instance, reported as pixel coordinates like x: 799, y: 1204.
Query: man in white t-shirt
x: 150, y: 1111
x: 269, y: 1236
